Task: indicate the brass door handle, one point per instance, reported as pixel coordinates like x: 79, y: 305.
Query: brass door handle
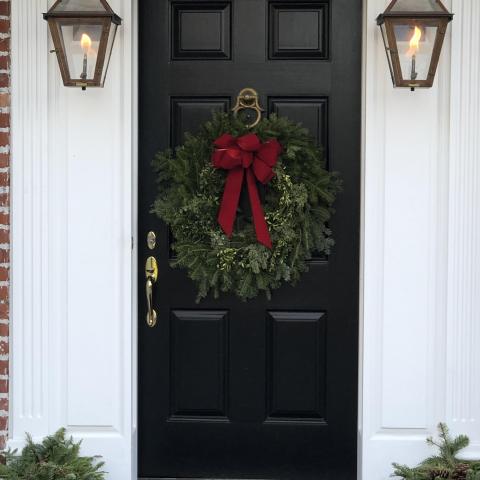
x: 151, y: 274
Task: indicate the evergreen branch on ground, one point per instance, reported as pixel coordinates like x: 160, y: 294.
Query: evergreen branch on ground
x: 445, y: 465
x: 55, y: 458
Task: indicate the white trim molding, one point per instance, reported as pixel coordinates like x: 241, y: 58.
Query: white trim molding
x: 405, y: 218
x: 34, y: 190
x: 463, y: 298
x: 421, y: 362
x: 72, y: 224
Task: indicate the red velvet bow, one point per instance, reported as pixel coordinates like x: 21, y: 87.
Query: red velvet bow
x: 245, y: 155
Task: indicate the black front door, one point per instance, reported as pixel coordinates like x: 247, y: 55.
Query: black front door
x: 257, y: 389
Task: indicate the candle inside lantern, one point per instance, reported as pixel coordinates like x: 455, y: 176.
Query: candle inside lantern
x: 86, y: 44
x: 412, y: 51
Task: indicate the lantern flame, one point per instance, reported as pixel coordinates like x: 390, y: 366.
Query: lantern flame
x: 415, y: 42
x: 85, y: 42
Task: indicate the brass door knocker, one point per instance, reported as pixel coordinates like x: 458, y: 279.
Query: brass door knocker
x: 247, y: 99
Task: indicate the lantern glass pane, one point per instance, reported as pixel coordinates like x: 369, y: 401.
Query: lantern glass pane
x: 387, y: 49
x: 417, y: 6
x: 81, y: 43
x: 111, y: 39
x: 415, y: 44
x: 79, y: 6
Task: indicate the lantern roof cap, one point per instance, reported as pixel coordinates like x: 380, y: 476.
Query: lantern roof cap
x: 82, y: 8
x: 415, y: 9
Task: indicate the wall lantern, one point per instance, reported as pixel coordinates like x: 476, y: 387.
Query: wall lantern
x: 83, y: 32
x: 413, y: 32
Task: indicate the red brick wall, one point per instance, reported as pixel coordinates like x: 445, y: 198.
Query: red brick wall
x: 4, y: 212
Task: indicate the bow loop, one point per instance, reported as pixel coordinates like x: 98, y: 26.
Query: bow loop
x: 249, y: 142
x: 269, y: 152
x: 263, y: 172
x: 240, y: 156
x: 224, y: 141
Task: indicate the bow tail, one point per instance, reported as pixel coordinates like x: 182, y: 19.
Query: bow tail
x: 261, y: 228
x: 231, y: 197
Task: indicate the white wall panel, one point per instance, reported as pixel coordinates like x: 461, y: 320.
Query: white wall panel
x: 72, y: 184
x: 405, y: 259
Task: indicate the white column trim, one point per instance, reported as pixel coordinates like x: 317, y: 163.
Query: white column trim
x: 406, y: 162
x: 48, y: 158
x: 463, y: 299
x: 31, y: 196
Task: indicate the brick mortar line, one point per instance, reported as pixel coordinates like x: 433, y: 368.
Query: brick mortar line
x: 5, y: 112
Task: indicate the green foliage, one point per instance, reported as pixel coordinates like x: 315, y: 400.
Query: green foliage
x: 56, y: 458
x: 298, y: 204
x: 444, y: 465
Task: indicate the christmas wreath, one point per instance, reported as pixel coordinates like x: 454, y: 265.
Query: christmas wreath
x: 227, y: 244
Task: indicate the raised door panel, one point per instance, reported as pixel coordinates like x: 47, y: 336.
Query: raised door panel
x: 311, y: 112
x: 296, y: 363
x: 298, y: 30
x: 198, y: 365
x: 201, y: 30
x: 188, y: 113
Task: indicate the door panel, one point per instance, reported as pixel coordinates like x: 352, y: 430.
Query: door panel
x: 298, y: 30
x: 199, y: 364
x: 257, y: 389
x: 311, y: 112
x: 211, y: 41
x: 296, y: 366
x: 187, y: 113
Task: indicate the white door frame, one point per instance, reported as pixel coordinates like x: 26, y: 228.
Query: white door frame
x: 73, y: 287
